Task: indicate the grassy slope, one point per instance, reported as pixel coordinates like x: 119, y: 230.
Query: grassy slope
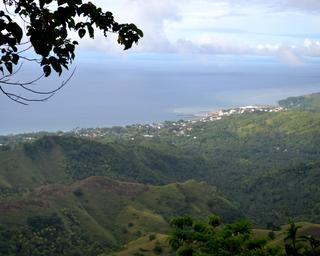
x: 249, y: 158
x: 145, y: 162
x: 18, y: 170
x: 274, y: 149
x: 145, y: 246
x: 306, y: 229
x: 117, y: 211
x: 257, y: 160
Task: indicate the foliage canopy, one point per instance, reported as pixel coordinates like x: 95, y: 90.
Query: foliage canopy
x: 193, y: 238
x: 46, y: 26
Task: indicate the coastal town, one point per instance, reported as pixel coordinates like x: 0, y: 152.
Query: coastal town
x: 240, y: 110
x: 180, y: 128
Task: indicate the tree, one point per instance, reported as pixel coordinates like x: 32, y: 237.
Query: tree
x: 194, y: 238
x: 43, y: 28
x: 292, y: 246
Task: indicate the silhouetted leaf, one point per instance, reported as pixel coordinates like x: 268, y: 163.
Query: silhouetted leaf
x: 47, y: 70
x: 16, y: 31
x: 81, y: 32
x: 9, y: 67
x: 15, y: 58
x: 57, y: 67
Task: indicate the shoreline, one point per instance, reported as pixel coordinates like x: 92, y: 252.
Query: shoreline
x: 200, y: 115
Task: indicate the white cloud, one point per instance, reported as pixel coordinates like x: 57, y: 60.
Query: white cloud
x: 192, y: 26
x: 291, y: 54
x: 268, y: 48
x: 151, y: 16
x: 311, y: 47
x: 183, y: 26
x: 210, y: 44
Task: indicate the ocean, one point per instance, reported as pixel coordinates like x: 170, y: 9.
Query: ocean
x: 122, y: 92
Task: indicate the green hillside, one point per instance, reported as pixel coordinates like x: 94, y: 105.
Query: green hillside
x: 65, y: 159
x: 158, y: 244
x: 110, y: 212
x: 307, y: 102
x: 116, y: 185
x: 152, y: 245
x: 249, y: 158
x: 276, y: 196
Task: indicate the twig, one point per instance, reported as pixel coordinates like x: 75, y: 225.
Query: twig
x: 23, y: 100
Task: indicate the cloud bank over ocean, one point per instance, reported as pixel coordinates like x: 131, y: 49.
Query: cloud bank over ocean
x: 196, y: 55
x: 285, y: 29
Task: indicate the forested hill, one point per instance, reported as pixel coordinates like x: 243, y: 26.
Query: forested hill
x: 258, y: 163
x: 307, y: 102
x: 98, y: 214
x: 64, y: 160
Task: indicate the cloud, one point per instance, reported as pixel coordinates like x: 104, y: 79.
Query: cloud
x: 311, y: 47
x: 291, y: 54
x: 151, y: 16
x: 210, y: 44
x: 278, y: 5
x: 215, y: 27
x: 195, y: 26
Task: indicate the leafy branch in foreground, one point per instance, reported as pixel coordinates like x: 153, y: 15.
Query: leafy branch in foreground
x: 197, y: 238
x: 40, y: 31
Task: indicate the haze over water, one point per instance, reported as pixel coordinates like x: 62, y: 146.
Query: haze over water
x: 126, y: 91
x: 196, y: 56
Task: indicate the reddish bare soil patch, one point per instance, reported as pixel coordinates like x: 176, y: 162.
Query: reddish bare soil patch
x: 111, y: 186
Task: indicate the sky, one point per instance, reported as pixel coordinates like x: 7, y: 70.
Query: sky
x: 288, y: 30
x: 195, y: 56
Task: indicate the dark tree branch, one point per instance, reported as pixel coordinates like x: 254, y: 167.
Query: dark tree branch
x: 24, y: 50
x: 48, y: 92
x: 23, y: 100
x: 9, y: 75
x: 46, y: 29
x: 31, y: 60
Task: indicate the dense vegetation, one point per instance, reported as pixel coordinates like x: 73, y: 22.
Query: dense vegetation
x: 49, y: 235
x: 124, y: 183
x: 195, y: 238
x: 145, y: 162
x: 256, y: 160
x: 308, y: 102
x: 108, y: 211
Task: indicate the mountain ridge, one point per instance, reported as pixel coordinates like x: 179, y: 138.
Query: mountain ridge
x: 126, y: 185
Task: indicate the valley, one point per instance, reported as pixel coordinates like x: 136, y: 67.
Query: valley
x: 120, y: 185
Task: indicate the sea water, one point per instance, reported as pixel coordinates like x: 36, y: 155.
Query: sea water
x: 124, y: 91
